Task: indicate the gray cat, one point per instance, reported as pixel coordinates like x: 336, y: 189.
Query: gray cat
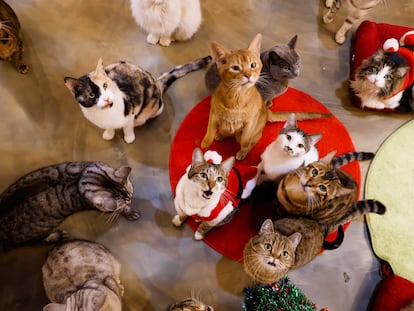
x: 82, y: 275
x: 280, y: 64
x: 33, y: 206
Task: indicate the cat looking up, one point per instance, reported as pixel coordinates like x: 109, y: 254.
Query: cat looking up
x: 167, y: 20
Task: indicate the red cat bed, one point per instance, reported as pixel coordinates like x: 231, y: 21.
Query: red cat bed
x: 230, y: 238
x: 369, y: 37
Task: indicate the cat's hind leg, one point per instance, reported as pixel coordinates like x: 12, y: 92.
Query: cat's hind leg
x: 202, y: 230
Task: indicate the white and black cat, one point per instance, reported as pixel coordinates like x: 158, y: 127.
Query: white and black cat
x: 37, y: 203
x: 167, y: 20
x: 291, y: 149
x: 281, y: 63
x: 356, y: 11
x: 201, y: 193
x: 122, y: 95
x: 82, y: 275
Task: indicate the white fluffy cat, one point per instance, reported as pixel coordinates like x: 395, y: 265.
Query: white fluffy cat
x: 167, y: 20
x: 291, y: 149
x: 200, y: 192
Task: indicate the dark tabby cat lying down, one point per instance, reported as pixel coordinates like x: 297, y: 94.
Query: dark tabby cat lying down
x: 11, y: 44
x: 33, y: 206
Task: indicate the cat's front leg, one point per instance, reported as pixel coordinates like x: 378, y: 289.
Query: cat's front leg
x: 152, y: 39
x: 202, y: 230
x: 57, y: 236
x: 129, y: 134
x: 165, y: 41
x: 108, y: 134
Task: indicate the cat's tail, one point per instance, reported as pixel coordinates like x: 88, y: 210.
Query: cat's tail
x: 358, y: 209
x: 167, y: 78
x: 348, y: 157
x: 278, y: 116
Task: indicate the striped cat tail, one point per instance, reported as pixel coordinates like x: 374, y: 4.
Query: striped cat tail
x: 348, y: 157
x: 167, y: 78
x: 358, y: 209
x: 278, y: 116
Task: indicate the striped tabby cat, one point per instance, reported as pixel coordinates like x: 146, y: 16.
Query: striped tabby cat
x: 11, y: 44
x: 190, y: 304
x: 281, y: 63
x: 123, y: 96
x: 82, y: 275
x: 321, y: 191
x: 201, y: 194
x: 356, y: 11
x: 237, y: 108
x: 33, y: 206
x: 292, y: 242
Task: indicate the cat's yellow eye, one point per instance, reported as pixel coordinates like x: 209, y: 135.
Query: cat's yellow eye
x: 91, y: 95
x: 322, y: 188
x: 284, y: 254
x: 203, y: 175
x: 105, y: 86
x: 220, y: 179
x: 267, y: 247
x: 235, y: 67
x: 314, y: 172
x: 253, y: 65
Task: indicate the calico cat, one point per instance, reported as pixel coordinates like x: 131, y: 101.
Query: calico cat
x: 292, y: 242
x: 291, y: 149
x: 281, y: 63
x: 237, y: 108
x: 167, y: 20
x: 122, y: 95
x: 201, y: 193
x: 356, y: 11
x: 380, y: 81
x: 11, y: 43
x: 321, y: 191
x: 190, y: 304
x: 33, y: 206
x: 82, y: 275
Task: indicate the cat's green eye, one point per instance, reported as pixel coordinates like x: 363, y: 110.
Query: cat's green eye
x: 284, y: 254
x: 267, y: 247
x: 91, y: 95
x: 235, y: 67
x: 322, y: 188
x: 314, y: 172
x: 203, y: 175
x: 220, y: 179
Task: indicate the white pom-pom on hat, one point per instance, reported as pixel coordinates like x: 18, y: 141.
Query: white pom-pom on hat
x: 407, y: 38
x: 213, y: 156
x: 391, y: 45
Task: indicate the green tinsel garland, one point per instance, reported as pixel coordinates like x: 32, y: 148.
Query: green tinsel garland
x: 280, y: 296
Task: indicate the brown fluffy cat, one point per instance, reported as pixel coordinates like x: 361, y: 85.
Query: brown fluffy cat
x: 237, y: 108
x: 190, y: 304
x: 11, y: 44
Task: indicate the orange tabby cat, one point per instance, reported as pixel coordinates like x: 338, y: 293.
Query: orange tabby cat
x: 237, y: 108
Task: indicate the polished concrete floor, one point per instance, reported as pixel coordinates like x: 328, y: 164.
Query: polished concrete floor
x: 42, y: 125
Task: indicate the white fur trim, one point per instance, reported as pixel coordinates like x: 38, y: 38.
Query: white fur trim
x: 407, y: 34
x: 391, y: 45
x: 213, y: 156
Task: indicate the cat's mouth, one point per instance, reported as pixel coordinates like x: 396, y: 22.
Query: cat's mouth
x: 207, y: 194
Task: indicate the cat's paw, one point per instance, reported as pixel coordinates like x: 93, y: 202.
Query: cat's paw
x: 250, y: 185
x: 328, y: 3
x: 327, y: 18
x: 176, y: 221
x: 57, y: 236
x: 131, y: 213
x: 22, y: 68
x: 241, y: 154
x: 198, y: 236
x: 165, y: 41
x: 151, y: 39
x: 129, y: 139
x: 108, y: 134
x: 340, y: 37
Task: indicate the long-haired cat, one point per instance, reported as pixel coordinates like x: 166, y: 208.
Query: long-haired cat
x: 201, y: 194
x: 123, y: 96
x: 237, y: 108
x: 292, y: 242
x: 190, y: 304
x: 380, y: 80
x: 11, y: 43
x: 166, y: 21
x: 291, y: 149
x: 281, y: 63
x: 82, y: 275
x: 356, y: 11
x: 37, y: 203
x: 321, y: 191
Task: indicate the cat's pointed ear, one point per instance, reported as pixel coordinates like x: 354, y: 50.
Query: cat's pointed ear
x: 403, y: 70
x: 219, y: 53
x: 295, y: 238
x: 290, y: 122
x: 267, y: 227
x: 54, y: 307
x: 198, y: 156
x: 314, y: 138
x: 292, y: 43
x: 123, y: 172
x: 256, y: 43
x: 71, y: 84
x: 328, y: 158
x: 100, y: 67
x: 228, y: 164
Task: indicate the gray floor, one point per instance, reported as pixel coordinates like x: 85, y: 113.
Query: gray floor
x: 42, y: 125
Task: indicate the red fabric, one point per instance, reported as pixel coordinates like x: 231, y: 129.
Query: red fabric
x: 230, y: 238
x: 369, y: 38
x: 393, y: 293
